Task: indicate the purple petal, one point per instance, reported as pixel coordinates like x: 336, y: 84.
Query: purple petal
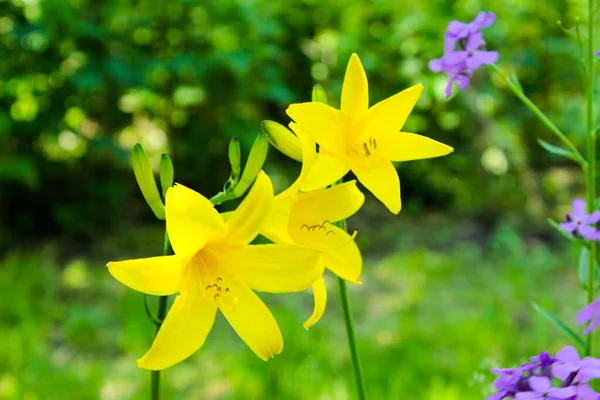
x: 597, y: 54
x: 562, y: 371
x: 528, y: 396
x: 448, y: 91
x: 588, y: 312
x: 568, y: 226
x: 568, y: 354
x: 540, y: 384
x: 436, y: 65
x: 480, y: 58
x: 455, y: 58
x: 578, y: 209
x: 593, y: 325
x: 458, y: 29
x: 482, y: 20
x: 475, y: 41
x: 562, y: 393
x: 463, y: 81
x: 585, y: 392
x: 592, y: 218
x: 449, y: 42
x: 587, y: 232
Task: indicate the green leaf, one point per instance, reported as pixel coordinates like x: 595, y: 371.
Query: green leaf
x: 583, y: 272
x: 559, y: 151
x: 578, y: 340
x: 563, y: 233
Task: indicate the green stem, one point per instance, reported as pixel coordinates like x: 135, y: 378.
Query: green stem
x: 591, y: 156
x: 162, y: 311
x: 358, y: 376
x: 545, y: 120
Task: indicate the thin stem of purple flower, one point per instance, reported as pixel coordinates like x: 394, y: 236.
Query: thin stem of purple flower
x: 543, y: 118
x: 591, y: 157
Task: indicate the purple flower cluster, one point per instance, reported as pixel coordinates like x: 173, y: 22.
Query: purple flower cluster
x: 534, y: 380
x: 580, y: 224
x: 460, y: 63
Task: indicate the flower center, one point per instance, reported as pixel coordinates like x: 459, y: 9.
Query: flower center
x: 363, y: 149
x: 220, y: 293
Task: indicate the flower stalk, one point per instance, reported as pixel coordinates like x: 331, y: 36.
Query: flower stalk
x: 349, y: 322
x: 162, y: 312
x: 516, y: 89
x: 591, y: 155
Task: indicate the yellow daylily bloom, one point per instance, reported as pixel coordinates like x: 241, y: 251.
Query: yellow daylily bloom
x: 307, y: 218
x: 362, y: 139
x: 213, y: 268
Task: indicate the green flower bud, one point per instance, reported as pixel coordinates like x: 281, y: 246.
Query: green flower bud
x: 145, y: 179
x: 235, y: 158
x: 318, y: 94
x: 166, y: 173
x: 256, y: 159
x: 282, y: 139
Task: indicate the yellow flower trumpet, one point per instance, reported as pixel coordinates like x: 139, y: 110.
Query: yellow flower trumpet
x: 362, y: 139
x: 215, y: 267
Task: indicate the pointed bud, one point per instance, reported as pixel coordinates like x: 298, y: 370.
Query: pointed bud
x: 166, y: 173
x: 235, y: 158
x: 256, y: 159
x: 282, y: 139
x: 145, y: 179
x: 319, y: 95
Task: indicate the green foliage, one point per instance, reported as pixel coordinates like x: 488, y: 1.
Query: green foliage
x: 82, y: 81
x: 423, y: 325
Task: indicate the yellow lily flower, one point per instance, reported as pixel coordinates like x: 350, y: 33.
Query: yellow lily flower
x: 307, y: 219
x: 362, y: 139
x: 213, y: 268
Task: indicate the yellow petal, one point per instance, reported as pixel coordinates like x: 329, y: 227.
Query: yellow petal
x: 320, y: 298
x: 345, y: 262
x: 381, y: 178
x: 245, y: 223
x: 319, y: 236
x: 254, y: 323
x: 332, y: 204
x: 309, y: 155
x: 184, y: 331
x: 275, y: 268
x: 355, y: 92
x: 158, y: 276
x: 409, y: 146
x: 325, y: 124
x: 389, y: 115
x: 326, y: 170
x: 276, y: 223
x: 191, y: 220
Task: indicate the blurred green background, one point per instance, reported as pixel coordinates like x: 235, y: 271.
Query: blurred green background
x: 447, y: 283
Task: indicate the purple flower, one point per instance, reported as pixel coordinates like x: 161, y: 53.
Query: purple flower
x: 576, y: 373
x: 542, y: 389
x: 459, y: 30
x: 597, y: 54
x: 533, y: 380
x: 578, y: 222
x: 591, y: 312
x: 460, y: 64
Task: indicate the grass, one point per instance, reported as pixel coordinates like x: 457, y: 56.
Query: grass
x: 432, y: 319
